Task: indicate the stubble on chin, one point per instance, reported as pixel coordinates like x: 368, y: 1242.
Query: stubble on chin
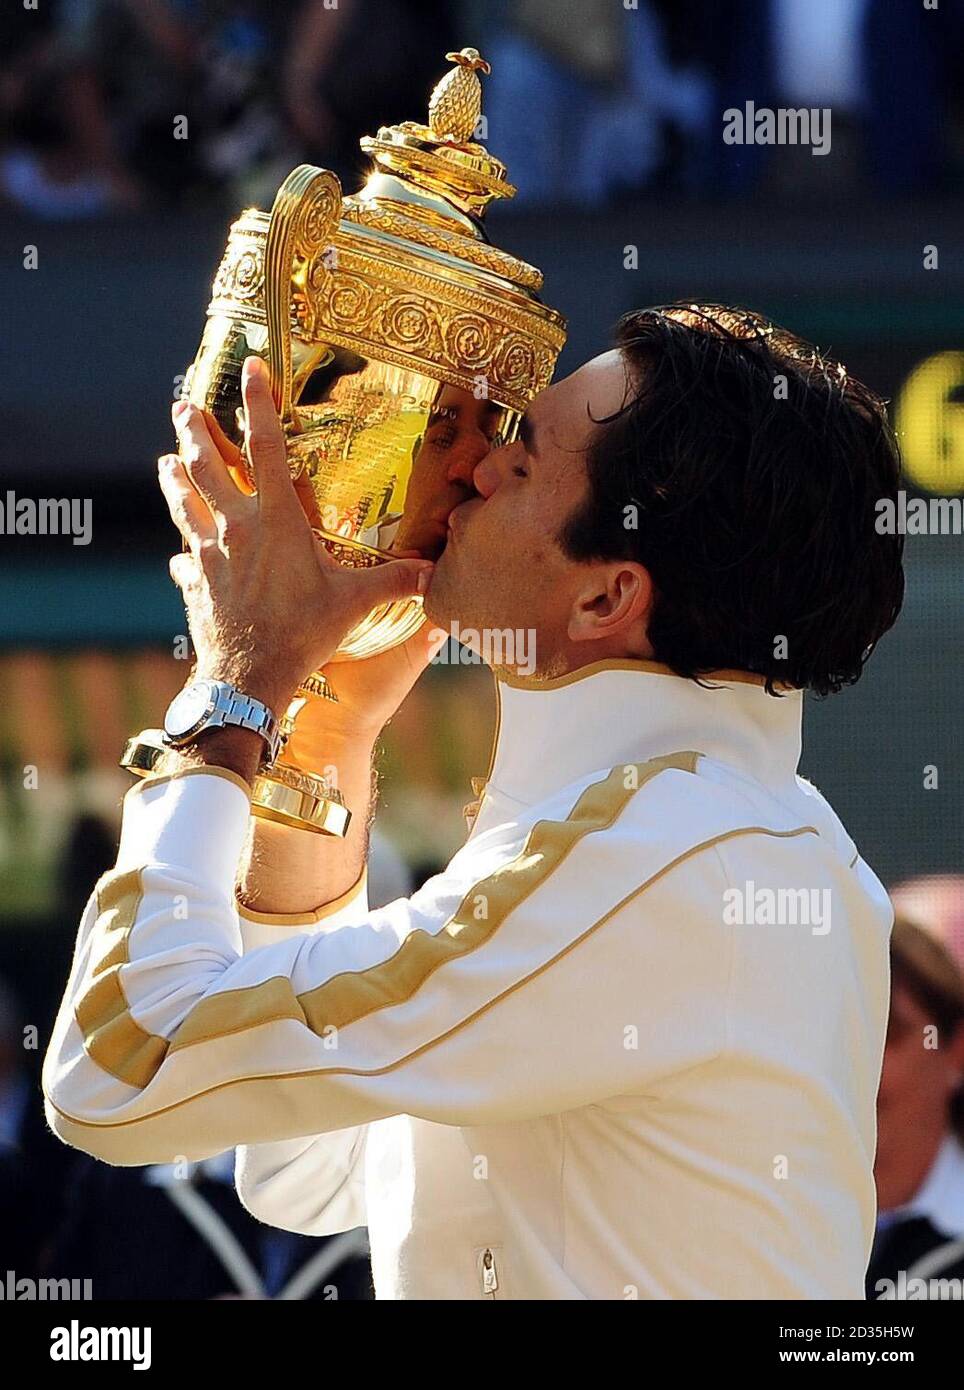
x: 438, y: 600
x: 454, y: 599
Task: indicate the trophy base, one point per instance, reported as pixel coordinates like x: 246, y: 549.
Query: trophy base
x: 299, y: 800
x: 282, y: 794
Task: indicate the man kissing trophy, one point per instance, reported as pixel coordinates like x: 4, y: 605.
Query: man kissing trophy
x: 395, y: 334
x: 613, y: 1048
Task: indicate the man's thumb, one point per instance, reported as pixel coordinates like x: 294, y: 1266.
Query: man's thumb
x: 397, y: 579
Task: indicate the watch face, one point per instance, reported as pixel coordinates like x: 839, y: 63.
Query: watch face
x: 188, y: 709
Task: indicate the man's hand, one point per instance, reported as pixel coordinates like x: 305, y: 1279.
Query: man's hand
x: 368, y: 693
x: 266, y: 604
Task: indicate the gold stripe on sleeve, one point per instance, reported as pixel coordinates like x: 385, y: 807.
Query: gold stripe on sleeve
x: 353, y: 995
x: 112, y: 1038
x: 260, y: 1092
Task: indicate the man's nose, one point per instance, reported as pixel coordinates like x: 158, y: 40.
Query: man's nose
x: 490, y: 470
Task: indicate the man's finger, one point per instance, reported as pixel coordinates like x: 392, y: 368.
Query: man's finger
x: 204, y: 463
x: 359, y: 591
x: 188, y: 512
x: 183, y: 570
x: 264, y: 438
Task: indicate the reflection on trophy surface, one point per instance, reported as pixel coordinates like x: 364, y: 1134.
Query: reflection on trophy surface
x: 415, y: 458
x: 389, y: 455
x: 402, y: 345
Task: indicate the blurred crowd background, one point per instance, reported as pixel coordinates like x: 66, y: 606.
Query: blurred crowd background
x: 590, y: 100
x: 131, y: 133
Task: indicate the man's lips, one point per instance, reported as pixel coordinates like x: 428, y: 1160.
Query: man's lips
x: 457, y: 519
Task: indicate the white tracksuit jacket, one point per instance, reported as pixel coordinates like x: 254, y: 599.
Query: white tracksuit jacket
x: 626, y: 1045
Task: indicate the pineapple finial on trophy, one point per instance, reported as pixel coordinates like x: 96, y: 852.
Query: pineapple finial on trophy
x: 456, y: 102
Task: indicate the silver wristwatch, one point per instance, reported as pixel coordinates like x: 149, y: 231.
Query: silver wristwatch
x: 209, y: 704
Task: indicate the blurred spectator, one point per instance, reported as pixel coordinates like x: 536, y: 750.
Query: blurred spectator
x: 349, y: 71
x: 883, y: 66
x: 936, y: 903
x: 113, y: 103
x: 136, y: 67
x: 777, y: 53
x: 581, y: 95
x: 913, y: 68
x: 920, y: 1114
x: 178, y: 1231
x: 588, y: 100
x: 93, y: 87
x: 33, y: 1163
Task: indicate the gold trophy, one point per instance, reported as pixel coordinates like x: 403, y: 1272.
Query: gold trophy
x: 401, y: 344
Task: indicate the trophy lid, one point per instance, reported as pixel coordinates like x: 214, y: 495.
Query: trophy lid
x: 412, y: 278
x: 403, y: 272
x: 442, y: 157
x: 431, y: 183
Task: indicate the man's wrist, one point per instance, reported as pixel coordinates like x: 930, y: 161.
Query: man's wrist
x: 234, y: 748
x: 211, y: 704
x: 277, y: 696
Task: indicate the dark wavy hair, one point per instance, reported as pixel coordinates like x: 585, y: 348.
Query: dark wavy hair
x: 751, y: 466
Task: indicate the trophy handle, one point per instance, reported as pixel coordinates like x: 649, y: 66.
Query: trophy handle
x: 304, y: 216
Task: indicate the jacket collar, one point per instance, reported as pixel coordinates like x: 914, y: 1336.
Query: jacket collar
x: 941, y: 1195
x: 552, y: 732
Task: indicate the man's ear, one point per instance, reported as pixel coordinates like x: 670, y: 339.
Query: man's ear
x: 613, y: 604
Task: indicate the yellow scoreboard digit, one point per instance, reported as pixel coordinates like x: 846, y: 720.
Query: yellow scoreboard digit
x: 929, y: 420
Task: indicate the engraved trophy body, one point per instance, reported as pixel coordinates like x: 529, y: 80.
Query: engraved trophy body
x: 401, y: 346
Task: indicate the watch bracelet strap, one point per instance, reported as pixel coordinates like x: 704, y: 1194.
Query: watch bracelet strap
x: 247, y: 713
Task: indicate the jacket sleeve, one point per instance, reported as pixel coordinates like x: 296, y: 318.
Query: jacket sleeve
x: 523, y: 981
x: 313, y: 1185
